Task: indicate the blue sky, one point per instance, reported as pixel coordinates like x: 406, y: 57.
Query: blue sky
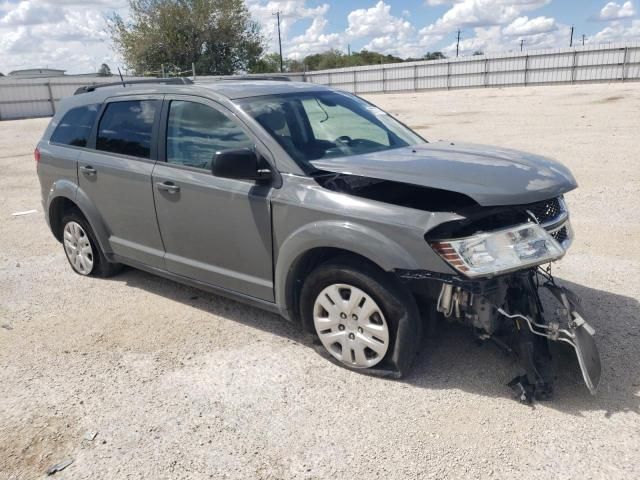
x: 71, y: 34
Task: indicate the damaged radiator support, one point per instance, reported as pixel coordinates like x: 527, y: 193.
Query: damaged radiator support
x: 570, y: 327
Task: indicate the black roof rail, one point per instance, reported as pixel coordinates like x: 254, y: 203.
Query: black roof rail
x: 161, y: 81
x: 280, y: 78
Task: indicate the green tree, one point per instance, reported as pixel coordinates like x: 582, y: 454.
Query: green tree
x: 104, y: 70
x: 218, y: 36
x: 435, y: 56
x: 292, y: 65
x: 337, y: 59
x: 269, y: 63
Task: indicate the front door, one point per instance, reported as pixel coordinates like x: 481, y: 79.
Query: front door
x: 116, y: 177
x: 215, y: 230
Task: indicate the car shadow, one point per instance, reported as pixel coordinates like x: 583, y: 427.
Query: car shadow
x: 455, y: 359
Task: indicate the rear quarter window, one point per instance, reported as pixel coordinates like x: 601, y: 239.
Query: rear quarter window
x: 76, y: 125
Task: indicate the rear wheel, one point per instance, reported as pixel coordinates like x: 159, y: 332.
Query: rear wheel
x: 363, y: 319
x: 82, y: 249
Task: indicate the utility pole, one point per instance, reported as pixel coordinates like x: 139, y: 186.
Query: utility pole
x: 277, y: 14
x: 348, y: 49
x: 571, y: 38
x: 521, y: 44
x: 583, y: 39
x: 458, y: 44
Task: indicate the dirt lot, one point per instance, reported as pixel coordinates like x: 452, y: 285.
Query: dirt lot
x: 178, y: 383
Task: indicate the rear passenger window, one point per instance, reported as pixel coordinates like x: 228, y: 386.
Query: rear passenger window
x: 75, y: 126
x: 127, y: 127
x: 196, y: 132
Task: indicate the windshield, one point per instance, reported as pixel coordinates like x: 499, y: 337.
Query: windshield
x: 315, y: 125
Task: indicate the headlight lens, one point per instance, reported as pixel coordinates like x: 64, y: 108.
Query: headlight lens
x: 500, y: 251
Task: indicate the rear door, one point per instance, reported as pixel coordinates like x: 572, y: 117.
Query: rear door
x: 215, y: 230
x: 116, y: 176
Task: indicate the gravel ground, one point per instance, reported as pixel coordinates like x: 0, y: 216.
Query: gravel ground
x: 178, y: 383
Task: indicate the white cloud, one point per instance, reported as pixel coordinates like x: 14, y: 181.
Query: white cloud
x: 376, y: 21
x: 291, y: 12
x: 523, y: 26
x: 493, y: 40
x: 31, y: 12
x: 617, y: 32
x: 615, y: 11
x: 492, y: 26
x: 482, y: 13
x: 436, y: 3
x: 66, y: 34
x: 385, y: 32
x: 314, y: 40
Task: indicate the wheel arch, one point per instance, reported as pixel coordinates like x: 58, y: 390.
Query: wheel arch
x: 63, y: 199
x: 317, y: 243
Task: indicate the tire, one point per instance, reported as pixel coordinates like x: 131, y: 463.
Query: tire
x: 82, y: 250
x: 362, y: 316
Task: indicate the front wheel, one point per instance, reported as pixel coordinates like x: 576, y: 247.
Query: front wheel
x: 363, y: 319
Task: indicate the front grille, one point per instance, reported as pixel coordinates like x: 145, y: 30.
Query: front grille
x: 547, y: 210
x: 561, y: 235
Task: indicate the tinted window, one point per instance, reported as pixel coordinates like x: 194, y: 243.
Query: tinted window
x: 196, y: 132
x: 126, y: 128
x: 75, y: 127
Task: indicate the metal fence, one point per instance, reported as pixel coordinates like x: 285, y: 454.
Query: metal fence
x: 38, y: 97
x: 602, y: 63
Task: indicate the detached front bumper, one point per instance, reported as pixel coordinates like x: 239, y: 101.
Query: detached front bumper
x: 509, y: 310
x: 571, y: 328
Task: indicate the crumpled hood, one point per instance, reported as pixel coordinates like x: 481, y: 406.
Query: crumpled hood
x: 489, y: 175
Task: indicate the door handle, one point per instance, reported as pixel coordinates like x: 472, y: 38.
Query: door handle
x: 88, y: 170
x: 168, y: 187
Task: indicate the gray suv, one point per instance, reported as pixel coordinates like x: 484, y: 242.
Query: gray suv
x: 313, y: 203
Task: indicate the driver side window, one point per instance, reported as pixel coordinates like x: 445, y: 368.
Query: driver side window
x: 332, y: 122
x: 196, y: 132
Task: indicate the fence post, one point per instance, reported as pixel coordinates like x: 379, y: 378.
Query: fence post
x: 329, y: 77
x: 526, y: 68
x: 355, y: 83
x: 415, y: 78
x: 448, y: 74
x: 51, y: 99
x: 624, y: 63
x: 486, y: 71
x: 573, y: 67
x: 384, y: 80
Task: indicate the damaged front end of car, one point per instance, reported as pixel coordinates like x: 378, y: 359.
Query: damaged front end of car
x: 494, y: 226
x: 498, y: 289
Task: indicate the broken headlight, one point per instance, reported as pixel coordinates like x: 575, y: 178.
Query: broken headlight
x: 500, y: 251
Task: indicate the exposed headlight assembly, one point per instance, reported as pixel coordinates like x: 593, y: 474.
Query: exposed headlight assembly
x: 501, y: 251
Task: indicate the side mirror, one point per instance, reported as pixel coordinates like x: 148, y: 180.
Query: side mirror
x: 241, y: 164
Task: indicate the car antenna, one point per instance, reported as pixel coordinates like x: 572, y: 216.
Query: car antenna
x: 121, y: 79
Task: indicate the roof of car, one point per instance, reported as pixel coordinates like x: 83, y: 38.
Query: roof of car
x: 254, y: 88
x: 231, y: 89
